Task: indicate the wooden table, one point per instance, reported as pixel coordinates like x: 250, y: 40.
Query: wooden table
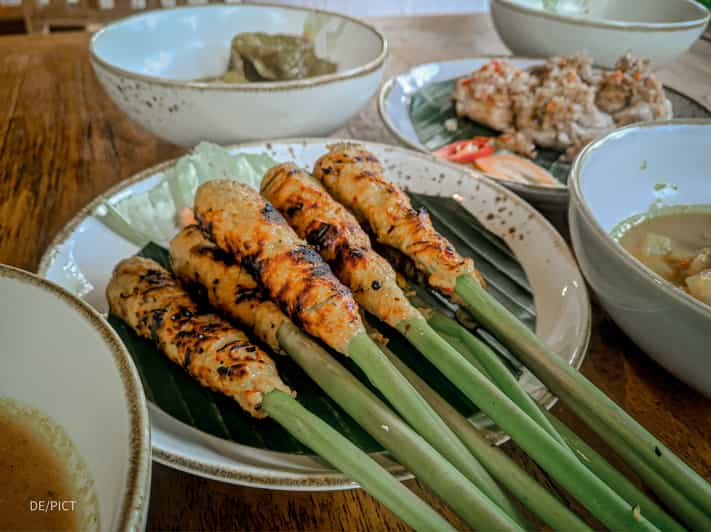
x: 62, y: 142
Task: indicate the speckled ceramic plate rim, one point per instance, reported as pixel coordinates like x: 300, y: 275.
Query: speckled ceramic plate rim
x: 554, y: 195
x: 319, y: 480
x: 134, y: 508
x: 351, y: 73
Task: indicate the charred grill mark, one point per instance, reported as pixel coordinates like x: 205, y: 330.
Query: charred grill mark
x: 317, y: 237
x: 348, y: 258
x: 233, y: 345
x: 154, y: 277
x: 291, y: 211
x: 214, y: 253
x: 271, y: 215
x: 246, y: 295
x: 238, y: 370
x: 187, y: 359
x: 253, y: 265
x: 157, y: 316
x: 305, y: 254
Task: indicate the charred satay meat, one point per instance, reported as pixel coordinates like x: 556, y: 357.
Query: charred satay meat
x: 200, y: 264
x: 355, y: 178
x: 219, y: 356
x: 290, y: 272
x: 334, y: 232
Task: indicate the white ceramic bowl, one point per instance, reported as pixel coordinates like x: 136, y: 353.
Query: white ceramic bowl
x: 660, y: 30
x: 61, y: 358
x: 614, y: 178
x: 147, y: 63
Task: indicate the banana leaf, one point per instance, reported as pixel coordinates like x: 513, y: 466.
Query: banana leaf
x: 172, y: 390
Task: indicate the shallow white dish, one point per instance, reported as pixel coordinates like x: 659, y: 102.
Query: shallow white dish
x: 85, y: 251
x: 660, y: 30
x: 146, y: 63
x: 614, y: 178
x: 61, y: 358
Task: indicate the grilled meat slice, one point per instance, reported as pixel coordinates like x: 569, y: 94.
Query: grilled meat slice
x: 149, y: 299
x: 199, y: 263
x: 334, y: 232
x: 632, y: 93
x: 290, y: 272
x: 487, y: 94
x: 354, y: 177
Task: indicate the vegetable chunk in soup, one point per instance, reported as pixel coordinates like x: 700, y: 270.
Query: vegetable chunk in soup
x: 677, y: 246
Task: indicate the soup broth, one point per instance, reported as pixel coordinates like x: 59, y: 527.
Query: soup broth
x: 676, y: 245
x: 36, y: 492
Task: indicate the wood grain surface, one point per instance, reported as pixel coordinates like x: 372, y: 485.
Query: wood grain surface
x: 62, y: 142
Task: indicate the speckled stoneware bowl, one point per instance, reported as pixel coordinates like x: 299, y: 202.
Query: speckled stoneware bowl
x: 67, y: 374
x: 660, y: 30
x: 624, y: 174
x: 560, y: 297
x: 148, y: 64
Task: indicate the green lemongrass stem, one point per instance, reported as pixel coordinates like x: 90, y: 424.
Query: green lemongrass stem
x: 480, y: 354
x: 376, y: 418
x: 555, y: 458
x: 531, y: 494
x: 618, y: 482
x: 502, y: 377
x: 682, y: 507
x: 418, y: 413
x: 611, y: 422
x: 348, y: 458
x: 593, y: 461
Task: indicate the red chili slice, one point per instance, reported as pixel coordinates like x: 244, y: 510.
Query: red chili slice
x: 466, y: 151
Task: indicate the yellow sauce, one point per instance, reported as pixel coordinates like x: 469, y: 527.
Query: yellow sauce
x: 36, y: 492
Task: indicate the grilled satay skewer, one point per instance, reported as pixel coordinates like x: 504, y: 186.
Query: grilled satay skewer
x: 221, y: 357
x: 292, y: 274
x: 335, y: 233
x: 328, y: 226
x: 200, y: 264
x: 355, y: 177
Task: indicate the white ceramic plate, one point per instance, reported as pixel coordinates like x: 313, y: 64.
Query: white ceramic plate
x: 83, y: 254
x: 61, y: 362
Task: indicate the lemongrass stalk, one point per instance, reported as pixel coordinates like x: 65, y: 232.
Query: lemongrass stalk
x: 473, y: 348
x: 617, y: 481
x: 345, y: 456
x: 612, y: 423
x: 418, y: 413
x: 460, y: 346
x: 531, y: 494
x: 408, y: 447
x: 478, y: 353
x: 555, y: 458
